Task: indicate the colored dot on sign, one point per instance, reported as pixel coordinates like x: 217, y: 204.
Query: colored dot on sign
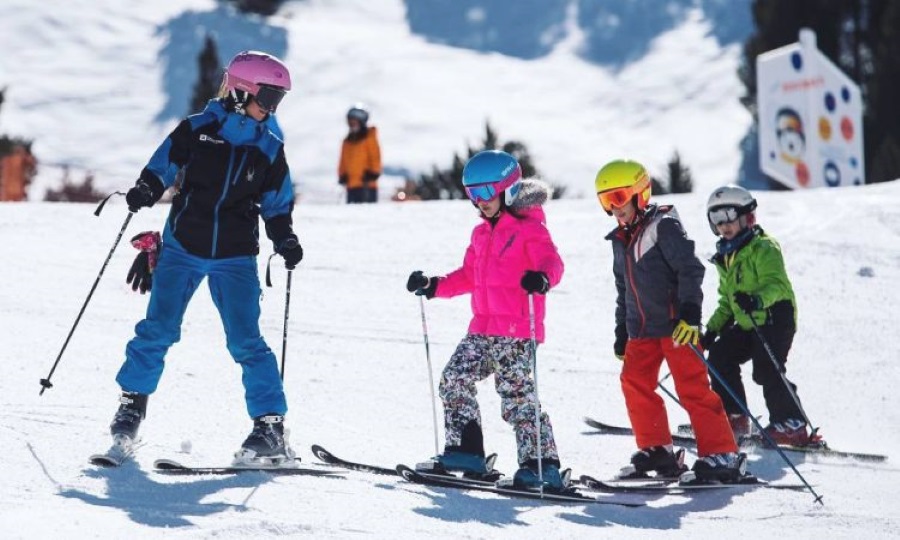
x: 854, y: 162
x: 829, y: 101
x: 845, y: 94
x: 802, y: 173
x: 824, y: 128
x: 846, y: 128
x: 797, y: 61
x: 771, y: 155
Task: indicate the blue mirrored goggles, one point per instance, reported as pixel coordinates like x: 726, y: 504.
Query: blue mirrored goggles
x: 481, y: 193
x: 725, y: 214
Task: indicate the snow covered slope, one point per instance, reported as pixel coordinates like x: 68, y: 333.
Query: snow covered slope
x: 357, y: 382
x: 98, y: 83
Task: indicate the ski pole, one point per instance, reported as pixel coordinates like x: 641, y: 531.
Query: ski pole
x: 745, y: 410
x: 430, y: 375
x: 778, y: 368
x: 659, y: 383
x: 537, y: 400
x: 287, y: 310
x: 45, y: 383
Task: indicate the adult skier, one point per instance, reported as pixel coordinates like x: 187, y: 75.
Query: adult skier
x: 360, y: 163
x: 658, y: 301
x: 234, y: 171
x: 753, y: 283
x: 511, y: 255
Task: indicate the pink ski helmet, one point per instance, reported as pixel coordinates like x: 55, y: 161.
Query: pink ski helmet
x: 257, y: 74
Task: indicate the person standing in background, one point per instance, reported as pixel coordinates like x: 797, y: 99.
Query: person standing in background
x: 360, y: 164
x: 16, y: 172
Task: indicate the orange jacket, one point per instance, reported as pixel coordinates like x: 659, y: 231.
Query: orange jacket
x: 16, y: 171
x: 360, y: 158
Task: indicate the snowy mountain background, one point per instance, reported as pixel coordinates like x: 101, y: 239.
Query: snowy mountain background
x: 98, y: 83
x: 89, y: 84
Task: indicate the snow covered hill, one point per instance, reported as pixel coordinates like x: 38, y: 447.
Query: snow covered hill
x: 98, y: 83
x: 357, y: 382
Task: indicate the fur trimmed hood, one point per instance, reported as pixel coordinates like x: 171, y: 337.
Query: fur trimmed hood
x: 533, y: 193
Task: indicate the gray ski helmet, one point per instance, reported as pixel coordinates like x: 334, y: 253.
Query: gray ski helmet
x: 727, y: 204
x: 358, y: 112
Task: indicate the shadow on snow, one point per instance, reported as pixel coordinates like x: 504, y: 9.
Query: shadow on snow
x: 453, y: 505
x: 156, y: 504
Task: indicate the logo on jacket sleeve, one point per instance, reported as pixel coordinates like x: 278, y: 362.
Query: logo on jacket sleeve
x: 206, y: 138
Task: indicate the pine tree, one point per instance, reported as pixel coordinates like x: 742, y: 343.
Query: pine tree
x: 447, y: 183
x: 259, y: 7
x: 210, y: 71
x: 882, y: 136
x: 680, y: 178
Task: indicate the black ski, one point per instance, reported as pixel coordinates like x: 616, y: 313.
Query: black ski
x: 107, y: 460
x: 653, y: 485
x: 168, y: 466
x: 620, y: 430
x: 327, y: 457
x: 753, y: 441
x: 568, y: 496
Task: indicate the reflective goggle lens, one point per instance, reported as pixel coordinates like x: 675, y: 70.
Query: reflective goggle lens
x: 719, y: 216
x: 615, y: 198
x: 482, y: 193
x: 269, y: 97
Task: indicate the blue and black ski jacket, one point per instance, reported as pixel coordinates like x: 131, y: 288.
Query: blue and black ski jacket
x: 234, y: 171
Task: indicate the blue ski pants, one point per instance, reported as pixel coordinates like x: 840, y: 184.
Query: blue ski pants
x: 235, y: 290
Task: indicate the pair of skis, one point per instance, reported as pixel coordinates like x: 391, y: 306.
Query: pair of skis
x: 681, y: 438
x: 647, y: 485
x: 123, y: 449
x: 599, y: 491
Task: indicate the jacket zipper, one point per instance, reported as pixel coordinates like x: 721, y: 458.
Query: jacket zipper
x: 187, y: 201
x: 637, y: 297
x: 215, y: 237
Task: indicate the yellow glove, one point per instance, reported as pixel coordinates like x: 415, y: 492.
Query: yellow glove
x: 685, y: 333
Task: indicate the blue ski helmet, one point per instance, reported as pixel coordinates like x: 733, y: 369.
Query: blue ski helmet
x: 491, y: 173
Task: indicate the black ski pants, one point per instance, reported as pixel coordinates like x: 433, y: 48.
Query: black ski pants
x: 737, y: 346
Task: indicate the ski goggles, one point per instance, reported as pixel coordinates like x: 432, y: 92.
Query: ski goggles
x: 481, y: 193
x: 615, y: 198
x: 725, y: 214
x: 268, y: 97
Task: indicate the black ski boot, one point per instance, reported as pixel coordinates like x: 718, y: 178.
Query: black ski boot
x: 659, y: 459
x: 128, y: 418
x: 266, y: 445
x: 725, y: 468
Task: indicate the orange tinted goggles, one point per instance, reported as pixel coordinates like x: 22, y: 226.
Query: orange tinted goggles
x: 615, y: 198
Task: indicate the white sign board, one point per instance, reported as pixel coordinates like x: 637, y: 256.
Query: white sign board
x: 810, y: 118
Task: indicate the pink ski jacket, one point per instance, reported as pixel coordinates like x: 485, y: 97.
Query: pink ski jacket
x: 495, y: 262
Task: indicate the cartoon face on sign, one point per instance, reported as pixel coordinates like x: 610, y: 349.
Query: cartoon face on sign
x: 789, y: 130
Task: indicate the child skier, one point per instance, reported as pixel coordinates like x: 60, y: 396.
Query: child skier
x: 658, y: 280
x: 511, y: 256
x: 752, y: 283
x: 234, y: 171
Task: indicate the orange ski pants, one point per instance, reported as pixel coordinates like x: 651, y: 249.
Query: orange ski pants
x: 640, y: 373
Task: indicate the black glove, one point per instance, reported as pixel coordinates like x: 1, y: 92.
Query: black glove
x: 621, y: 341
x: 707, y: 339
x: 421, y: 284
x: 747, y: 302
x: 342, y: 179
x: 143, y: 194
x: 535, y: 282
x: 140, y: 275
x: 370, y: 176
x: 290, y: 250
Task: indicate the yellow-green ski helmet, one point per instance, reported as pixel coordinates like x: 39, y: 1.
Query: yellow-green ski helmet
x: 620, y: 181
